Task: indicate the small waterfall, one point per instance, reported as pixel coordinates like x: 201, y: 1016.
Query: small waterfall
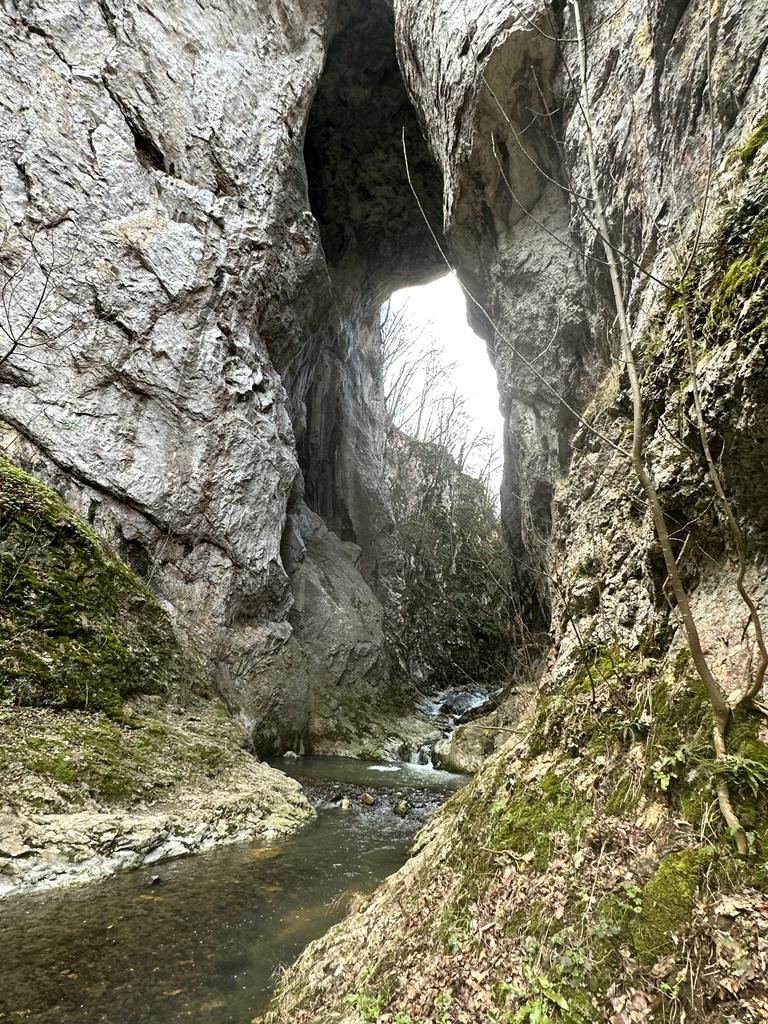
x: 422, y: 755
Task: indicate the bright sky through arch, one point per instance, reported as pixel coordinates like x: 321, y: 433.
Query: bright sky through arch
x: 437, y: 313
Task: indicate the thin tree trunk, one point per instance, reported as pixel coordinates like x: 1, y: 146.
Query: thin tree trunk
x: 720, y: 707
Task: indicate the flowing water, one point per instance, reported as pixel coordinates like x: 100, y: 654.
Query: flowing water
x: 202, y: 945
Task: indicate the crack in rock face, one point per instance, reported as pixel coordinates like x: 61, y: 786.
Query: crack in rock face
x: 374, y: 241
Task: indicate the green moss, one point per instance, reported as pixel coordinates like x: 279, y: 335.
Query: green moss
x: 726, y: 294
x: 743, y: 734
x: 754, y: 143
x: 681, y: 712
x: 667, y: 903
x: 77, y: 628
x: 738, y: 307
x: 70, y: 757
x: 748, y: 773
x: 694, y: 802
x: 534, y: 813
x: 548, y: 724
x: 653, y: 344
x: 621, y: 799
x: 682, y: 765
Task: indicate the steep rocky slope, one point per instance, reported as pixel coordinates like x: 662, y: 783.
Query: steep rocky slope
x: 129, y: 173
x: 587, y: 873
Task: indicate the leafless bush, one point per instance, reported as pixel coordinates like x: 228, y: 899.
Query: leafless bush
x: 41, y: 295
x: 423, y: 401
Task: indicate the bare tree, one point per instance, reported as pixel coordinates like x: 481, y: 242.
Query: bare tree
x: 422, y: 400
x: 720, y: 708
x: 41, y: 295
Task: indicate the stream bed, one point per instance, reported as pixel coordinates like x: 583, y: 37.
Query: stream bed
x: 201, y: 943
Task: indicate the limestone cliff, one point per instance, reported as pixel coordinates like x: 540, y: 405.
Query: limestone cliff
x: 498, y: 109
x: 216, y: 198
x: 153, y: 172
x: 182, y: 332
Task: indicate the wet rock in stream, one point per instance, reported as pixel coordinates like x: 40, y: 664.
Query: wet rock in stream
x: 405, y: 802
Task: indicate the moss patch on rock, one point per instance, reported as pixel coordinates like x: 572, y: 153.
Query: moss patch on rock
x: 727, y: 290
x: 62, y: 760
x: 667, y: 903
x: 754, y: 143
x: 77, y: 627
x: 535, y: 812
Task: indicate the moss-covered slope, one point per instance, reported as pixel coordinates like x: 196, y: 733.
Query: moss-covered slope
x: 95, y: 688
x: 66, y: 760
x: 585, y: 872
x: 77, y: 628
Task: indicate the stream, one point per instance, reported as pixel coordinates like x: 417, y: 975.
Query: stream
x: 201, y: 943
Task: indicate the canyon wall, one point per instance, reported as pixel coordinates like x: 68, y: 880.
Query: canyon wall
x: 153, y: 175
x: 190, y: 342
x: 495, y: 95
x: 202, y: 210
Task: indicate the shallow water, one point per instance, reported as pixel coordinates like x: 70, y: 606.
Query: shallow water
x: 202, y: 946
x: 371, y: 775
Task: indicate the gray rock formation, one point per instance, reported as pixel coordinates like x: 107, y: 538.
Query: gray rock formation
x: 210, y: 205
x: 328, y: 690
x: 680, y: 93
x: 195, y: 330
x: 155, y: 160
x: 500, y: 117
x: 52, y: 851
x: 203, y: 208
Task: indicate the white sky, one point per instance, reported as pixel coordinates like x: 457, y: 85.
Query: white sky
x: 437, y: 312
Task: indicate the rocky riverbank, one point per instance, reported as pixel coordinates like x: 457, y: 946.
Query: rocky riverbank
x: 85, y: 796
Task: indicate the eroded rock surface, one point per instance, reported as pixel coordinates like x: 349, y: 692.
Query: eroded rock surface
x: 218, y: 335
x: 193, y: 321
x: 500, y: 117
x: 157, y: 155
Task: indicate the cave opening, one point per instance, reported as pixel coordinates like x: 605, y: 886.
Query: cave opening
x: 383, y: 482
x: 373, y: 236
x: 379, y: 253
x: 374, y: 241
x: 439, y: 379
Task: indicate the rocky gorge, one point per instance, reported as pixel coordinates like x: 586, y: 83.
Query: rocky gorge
x: 203, y: 209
